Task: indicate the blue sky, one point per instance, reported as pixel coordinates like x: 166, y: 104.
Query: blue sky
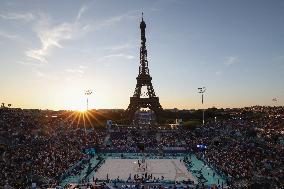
x: 51, y: 51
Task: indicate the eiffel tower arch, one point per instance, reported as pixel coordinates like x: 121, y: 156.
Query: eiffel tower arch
x: 144, y: 80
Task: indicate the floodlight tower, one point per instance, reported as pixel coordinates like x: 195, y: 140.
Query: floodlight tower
x: 202, y: 90
x: 88, y: 93
x: 275, y: 101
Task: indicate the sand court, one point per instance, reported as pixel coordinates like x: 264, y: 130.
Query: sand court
x: 170, y: 169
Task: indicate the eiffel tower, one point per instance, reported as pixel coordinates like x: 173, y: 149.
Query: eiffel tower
x: 144, y: 79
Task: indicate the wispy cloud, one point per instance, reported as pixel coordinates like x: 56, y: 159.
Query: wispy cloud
x: 69, y: 73
x: 115, y: 19
x: 83, y: 67
x: 111, y: 21
x: 114, y: 56
x: 17, y: 16
x: 120, y: 47
x: 46, y: 76
x: 154, y: 9
x: 7, y: 35
x: 80, y: 70
x: 81, y: 12
x: 231, y: 60
x: 39, y: 74
x: 50, y: 37
x: 219, y: 72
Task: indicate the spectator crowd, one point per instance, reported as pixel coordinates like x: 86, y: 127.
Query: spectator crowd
x: 246, y: 148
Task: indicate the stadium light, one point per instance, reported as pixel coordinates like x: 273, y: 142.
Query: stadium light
x: 88, y: 93
x: 202, y: 90
x: 275, y: 101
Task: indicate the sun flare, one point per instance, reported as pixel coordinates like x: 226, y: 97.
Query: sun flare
x: 82, y: 110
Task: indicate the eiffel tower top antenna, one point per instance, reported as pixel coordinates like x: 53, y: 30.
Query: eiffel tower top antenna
x: 143, y: 69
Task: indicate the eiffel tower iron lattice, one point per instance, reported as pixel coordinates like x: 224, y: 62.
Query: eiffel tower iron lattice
x: 144, y: 80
